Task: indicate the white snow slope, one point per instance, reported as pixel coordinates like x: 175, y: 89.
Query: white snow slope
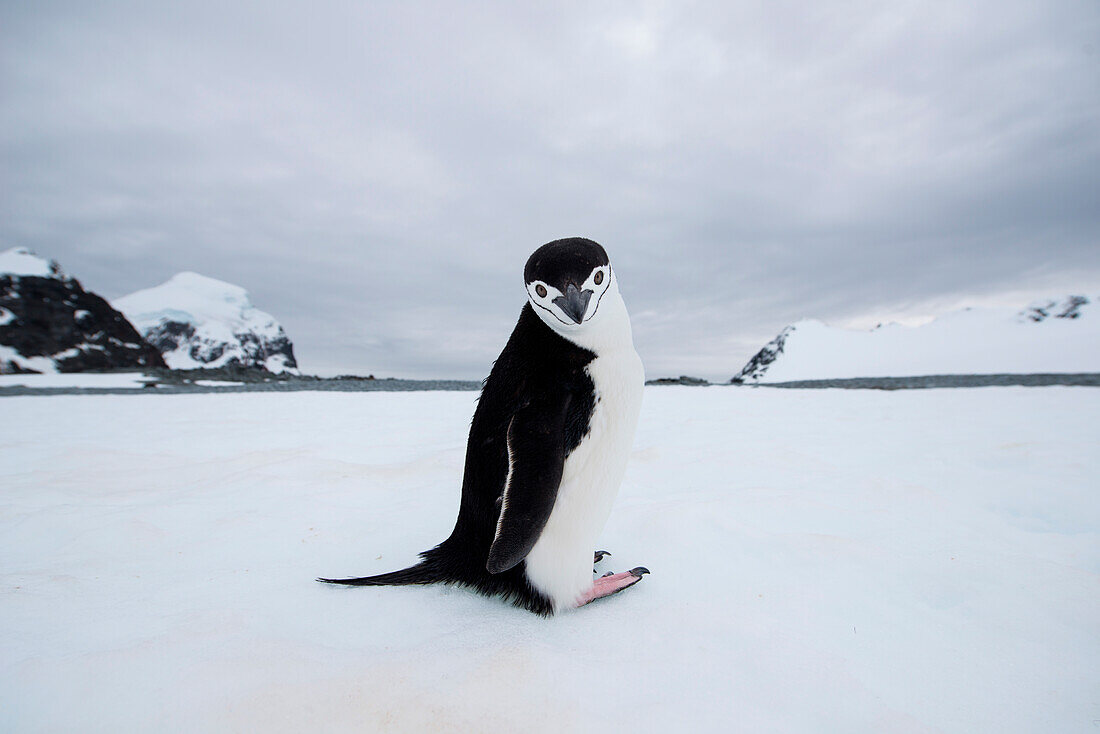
x: 823, y: 561
x: 1039, y: 339
x: 20, y: 261
x: 221, y: 314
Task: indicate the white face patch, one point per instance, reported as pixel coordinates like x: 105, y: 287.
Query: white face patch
x: 543, y: 296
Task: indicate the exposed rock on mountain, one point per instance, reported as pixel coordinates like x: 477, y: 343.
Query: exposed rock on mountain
x: 756, y: 367
x: 49, y: 323
x: 199, y: 322
x: 1069, y: 307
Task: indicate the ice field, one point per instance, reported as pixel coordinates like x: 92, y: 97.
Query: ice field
x: 822, y: 561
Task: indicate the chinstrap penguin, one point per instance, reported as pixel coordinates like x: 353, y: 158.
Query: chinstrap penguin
x: 548, y: 444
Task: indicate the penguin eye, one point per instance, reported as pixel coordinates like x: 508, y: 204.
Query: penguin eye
x: 599, y: 277
x: 541, y: 290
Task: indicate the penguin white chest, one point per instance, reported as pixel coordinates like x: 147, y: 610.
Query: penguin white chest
x: 560, y: 563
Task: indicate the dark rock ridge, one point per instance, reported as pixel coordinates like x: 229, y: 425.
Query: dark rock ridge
x: 758, y: 365
x: 681, y: 380
x: 250, y: 350
x: 1068, y: 308
x: 55, y: 319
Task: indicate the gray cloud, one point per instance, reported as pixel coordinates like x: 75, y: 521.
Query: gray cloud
x: 376, y: 174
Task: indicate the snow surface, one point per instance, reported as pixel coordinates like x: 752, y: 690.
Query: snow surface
x: 973, y: 341
x: 219, y: 312
x: 74, y: 379
x: 823, y: 561
x: 22, y: 262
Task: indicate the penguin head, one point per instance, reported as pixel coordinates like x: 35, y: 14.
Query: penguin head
x: 566, y: 282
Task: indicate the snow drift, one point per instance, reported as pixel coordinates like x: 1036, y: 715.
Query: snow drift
x: 199, y: 322
x: 1049, y: 336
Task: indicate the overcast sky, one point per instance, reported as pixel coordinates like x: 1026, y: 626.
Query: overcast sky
x: 376, y: 174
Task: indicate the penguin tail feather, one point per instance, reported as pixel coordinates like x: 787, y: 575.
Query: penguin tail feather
x: 418, y: 574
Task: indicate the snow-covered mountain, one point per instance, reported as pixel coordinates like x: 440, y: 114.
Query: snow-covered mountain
x: 1049, y: 336
x: 49, y: 323
x: 199, y: 322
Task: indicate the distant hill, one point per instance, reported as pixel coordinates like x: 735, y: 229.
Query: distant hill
x: 199, y: 322
x: 1049, y: 336
x: 49, y: 323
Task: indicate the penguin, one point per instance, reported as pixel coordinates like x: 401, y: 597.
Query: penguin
x: 548, y: 444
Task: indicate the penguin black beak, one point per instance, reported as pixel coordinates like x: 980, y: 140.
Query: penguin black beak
x: 574, y: 303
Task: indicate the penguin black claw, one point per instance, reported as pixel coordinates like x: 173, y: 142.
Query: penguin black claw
x: 639, y: 571
x: 600, y: 555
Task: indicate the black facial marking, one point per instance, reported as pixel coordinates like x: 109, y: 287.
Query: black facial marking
x: 562, y: 262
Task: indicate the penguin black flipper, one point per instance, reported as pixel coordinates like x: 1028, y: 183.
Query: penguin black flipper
x: 536, y: 457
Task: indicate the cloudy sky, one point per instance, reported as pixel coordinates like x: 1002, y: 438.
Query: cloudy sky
x: 377, y: 173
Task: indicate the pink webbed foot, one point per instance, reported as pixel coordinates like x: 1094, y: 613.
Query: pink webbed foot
x: 612, y: 583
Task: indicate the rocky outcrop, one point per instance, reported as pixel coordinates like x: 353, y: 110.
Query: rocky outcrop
x: 681, y: 380
x: 198, y: 322
x: 755, y: 368
x: 1069, y: 307
x: 49, y: 323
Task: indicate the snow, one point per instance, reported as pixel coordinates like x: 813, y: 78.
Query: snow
x: 6, y: 316
x: 20, y: 261
x: 219, y: 312
x: 11, y: 356
x: 278, y: 363
x: 823, y: 561
x: 75, y: 379
x: 973, y: 341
